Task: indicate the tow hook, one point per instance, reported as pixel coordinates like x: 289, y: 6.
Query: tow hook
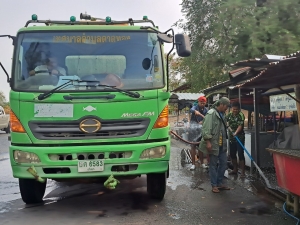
x: 33, y: 172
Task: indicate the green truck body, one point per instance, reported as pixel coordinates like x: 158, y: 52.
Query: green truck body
x: 103, y: 112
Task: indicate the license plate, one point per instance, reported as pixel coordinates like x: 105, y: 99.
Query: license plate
x: 90, y: 166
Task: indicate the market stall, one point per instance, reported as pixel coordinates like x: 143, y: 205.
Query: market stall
x: 285, y: 149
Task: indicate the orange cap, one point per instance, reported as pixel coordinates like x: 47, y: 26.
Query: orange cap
x: 202, y: 99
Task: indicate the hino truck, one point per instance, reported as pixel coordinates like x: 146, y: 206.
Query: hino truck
x: 89, y: 99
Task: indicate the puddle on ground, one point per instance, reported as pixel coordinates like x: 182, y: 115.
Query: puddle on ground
x: 177, y: 178
x: 9, y: 186
x: 5, y: 207
x: 257, y: 208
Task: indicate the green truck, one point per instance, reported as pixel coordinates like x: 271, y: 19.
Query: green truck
x: 89, y: 99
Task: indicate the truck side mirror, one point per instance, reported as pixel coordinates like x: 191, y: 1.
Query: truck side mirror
x: 183, y: 46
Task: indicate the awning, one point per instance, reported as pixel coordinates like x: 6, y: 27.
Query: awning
x: 219, y: 91
x: 184, y: 99
x: 216, y: 88
x: 281, y: 73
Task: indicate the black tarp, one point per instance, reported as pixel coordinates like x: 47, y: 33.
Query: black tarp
x: 288, y: 139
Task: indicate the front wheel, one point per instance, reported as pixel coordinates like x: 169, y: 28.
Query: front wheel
x: 156, y: 185
x: 32, y: 191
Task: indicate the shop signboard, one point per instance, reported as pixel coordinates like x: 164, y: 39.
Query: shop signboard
x: 282, y: 102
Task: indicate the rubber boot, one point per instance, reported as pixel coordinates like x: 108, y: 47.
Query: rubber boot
x: 242, y: 166
x: 235, y: 167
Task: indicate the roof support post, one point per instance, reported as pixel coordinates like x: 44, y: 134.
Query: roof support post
x: 256, y: 127
x: 297, y: 95
x: 240, y: 101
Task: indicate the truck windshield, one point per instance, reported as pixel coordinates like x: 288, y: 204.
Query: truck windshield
x: 127, y: 60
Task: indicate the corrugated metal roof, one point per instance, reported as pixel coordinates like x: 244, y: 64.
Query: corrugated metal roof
x: 275, y: 57
x: 218, y: 91
x: 276, y: 91
x: 220, y: 86
x: 187, y: 96
x: 295, y: 54
x: 269, y: 71
x: 262, y: 72
x: 255, y: 62
x: 283, y: 72
x: 235, y: 73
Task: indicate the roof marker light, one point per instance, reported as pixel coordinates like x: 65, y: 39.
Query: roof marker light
x: 72, y: 18
x: 34, y: 17
x: 108, y: 19
x: 145, y: 17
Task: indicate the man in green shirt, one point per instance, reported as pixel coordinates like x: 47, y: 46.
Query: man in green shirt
x: 214, y: 143
x: 236, y: 120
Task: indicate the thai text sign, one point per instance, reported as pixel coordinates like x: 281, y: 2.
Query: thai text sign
x: 90, y: 39
x: 282, y: 103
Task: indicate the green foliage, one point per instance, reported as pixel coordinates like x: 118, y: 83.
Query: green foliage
x: 225, y: 31
x: 176, y: 72
x: 2, y: 99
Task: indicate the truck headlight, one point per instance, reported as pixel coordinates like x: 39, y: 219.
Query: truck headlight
x: 26, y: 157
x: 154, y: 153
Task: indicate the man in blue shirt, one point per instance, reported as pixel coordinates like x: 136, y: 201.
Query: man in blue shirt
x: 198, y: 113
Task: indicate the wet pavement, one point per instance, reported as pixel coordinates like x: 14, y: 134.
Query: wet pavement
x: 188, y: 200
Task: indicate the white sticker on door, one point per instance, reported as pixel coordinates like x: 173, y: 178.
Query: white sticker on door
x: 53, y: 110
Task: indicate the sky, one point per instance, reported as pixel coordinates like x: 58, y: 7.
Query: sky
x: 14, y: 15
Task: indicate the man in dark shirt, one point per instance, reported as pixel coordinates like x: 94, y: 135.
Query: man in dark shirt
x: 236, y: 120
x: 198, y: 113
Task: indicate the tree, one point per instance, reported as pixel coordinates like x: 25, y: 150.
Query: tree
x: 176, y: 72
x: 225, y: 31
x: 2, y: 98
x: 4, y: 103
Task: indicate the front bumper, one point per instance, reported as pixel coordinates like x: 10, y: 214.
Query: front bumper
x: 46, y: 164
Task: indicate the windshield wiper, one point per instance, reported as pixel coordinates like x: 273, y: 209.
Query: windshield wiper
x: 125, y: 92
x: 49, y: 93
x: 70, y: 82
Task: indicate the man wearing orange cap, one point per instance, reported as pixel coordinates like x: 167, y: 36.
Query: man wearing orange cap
x: 198, y: 113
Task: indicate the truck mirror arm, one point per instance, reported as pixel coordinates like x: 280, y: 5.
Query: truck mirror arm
x: 168, y: 57
x: 8, y: 79
x: 14, y: 39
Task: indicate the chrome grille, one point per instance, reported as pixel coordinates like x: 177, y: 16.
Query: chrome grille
x: 69, y: 130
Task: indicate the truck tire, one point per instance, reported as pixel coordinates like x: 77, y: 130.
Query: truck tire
x: 156, y: 185
x: 32, y: 191
x: 7, y: 129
